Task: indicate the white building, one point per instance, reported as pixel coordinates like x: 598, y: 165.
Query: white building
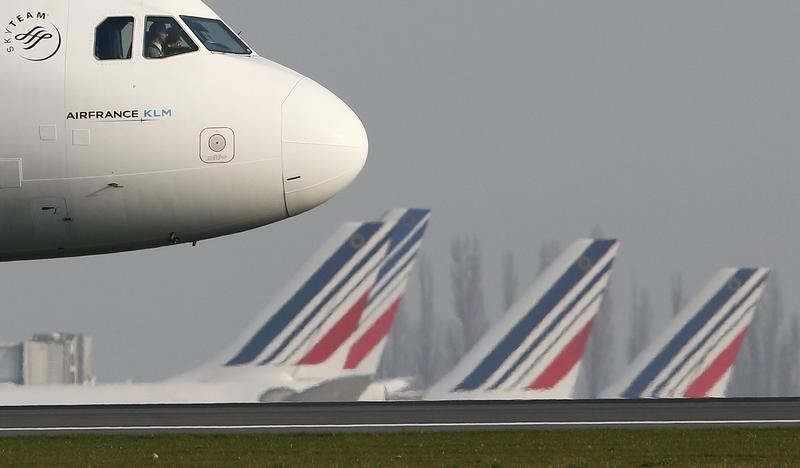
x: 11, y: 363
x: 58, y: 358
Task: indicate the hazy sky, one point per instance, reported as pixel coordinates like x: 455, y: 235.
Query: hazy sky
x: 672, y: 125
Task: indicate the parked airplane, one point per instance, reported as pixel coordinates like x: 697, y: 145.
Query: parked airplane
x: 694, y: 357
x: 320, y: 339
x: 133, y: 124
x: 535, y: 351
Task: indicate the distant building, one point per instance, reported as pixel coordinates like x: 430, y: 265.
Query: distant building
x: 11, y: 363
x: 57, y: 358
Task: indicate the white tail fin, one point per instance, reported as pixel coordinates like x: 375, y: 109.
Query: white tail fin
x: 335, y: 308
x: 319, y: 287
x: 536, y: 349
x: 356, y: 341
x: 693, y: 357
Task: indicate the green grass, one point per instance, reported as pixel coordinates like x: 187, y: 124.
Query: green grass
x: 667, y: 447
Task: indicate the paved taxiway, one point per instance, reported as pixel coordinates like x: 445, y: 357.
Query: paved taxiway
x: 399, y: 416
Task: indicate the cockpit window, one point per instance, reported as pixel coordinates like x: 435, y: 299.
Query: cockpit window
x: 216, y: 36
x: 165, y: 38
x: 113, y: 39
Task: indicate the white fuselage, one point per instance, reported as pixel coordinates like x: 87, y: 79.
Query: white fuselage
x: 221, y: 385
x: 109, y: 155
x: 244, y: 389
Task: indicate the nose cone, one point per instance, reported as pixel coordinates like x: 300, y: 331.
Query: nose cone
x: 324, y: 146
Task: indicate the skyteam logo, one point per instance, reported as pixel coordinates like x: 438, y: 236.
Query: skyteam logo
x: 32, y: 37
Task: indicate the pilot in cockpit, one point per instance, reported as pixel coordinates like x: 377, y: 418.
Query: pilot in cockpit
x: 157, y: 40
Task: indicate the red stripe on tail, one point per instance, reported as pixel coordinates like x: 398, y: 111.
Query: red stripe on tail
x: 703, y: 384
x: 564, y: 362
x: 377, y: 332
x: 337, y: 335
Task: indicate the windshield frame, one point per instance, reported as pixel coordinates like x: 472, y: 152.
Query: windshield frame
x: 190, y: 21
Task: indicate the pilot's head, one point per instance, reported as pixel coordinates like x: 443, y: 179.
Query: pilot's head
x: 173, y: 39
x: 158, y: 32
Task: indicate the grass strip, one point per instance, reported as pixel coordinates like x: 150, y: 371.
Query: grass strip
x: 573, y: 448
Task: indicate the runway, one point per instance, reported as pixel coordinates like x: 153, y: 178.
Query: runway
x: 398, y: 416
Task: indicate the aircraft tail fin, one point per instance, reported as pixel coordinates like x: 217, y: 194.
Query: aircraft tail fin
x: 322, y: 284
x: 362, y: 340
x: 536, y: 349
x: 693, y: 358
x: 335, y: 315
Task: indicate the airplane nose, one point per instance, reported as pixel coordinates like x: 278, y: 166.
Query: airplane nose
x: 325, y: 146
